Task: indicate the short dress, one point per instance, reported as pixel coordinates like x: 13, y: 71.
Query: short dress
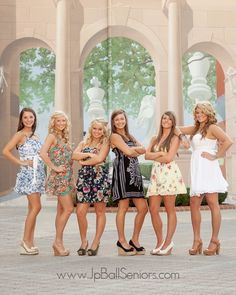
x: 206, y: 175
x: 61, y: 184
x: 93, y: 183
x: 126, y: 178
x: 30, y: 179
x: 166, y: 179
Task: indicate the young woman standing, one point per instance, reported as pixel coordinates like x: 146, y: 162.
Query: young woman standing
x: 209, y: 142
x: 165, y: 182
x: 93, y: 185
x: 57, y: 154
x: 30, y: 179
x: 127, y: 182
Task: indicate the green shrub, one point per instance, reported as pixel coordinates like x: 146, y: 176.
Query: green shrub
x: 146, y: 169
x: 182, y: 199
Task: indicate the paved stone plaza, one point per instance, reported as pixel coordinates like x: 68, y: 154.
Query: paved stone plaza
x: 107, y: 273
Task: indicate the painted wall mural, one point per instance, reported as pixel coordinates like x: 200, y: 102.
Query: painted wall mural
x: 119, y: 73
x: 37, y: 80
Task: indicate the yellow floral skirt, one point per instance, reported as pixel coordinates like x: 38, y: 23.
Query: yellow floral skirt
x: 166, y: 179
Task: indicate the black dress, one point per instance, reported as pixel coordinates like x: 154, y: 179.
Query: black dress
x: 126, y: 178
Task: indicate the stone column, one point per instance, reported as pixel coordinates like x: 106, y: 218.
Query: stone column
x: 62, y: 85
x: 175, y: 100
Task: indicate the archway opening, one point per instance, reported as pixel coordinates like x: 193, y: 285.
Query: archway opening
x: 119, y: 73
x: 37, y: 80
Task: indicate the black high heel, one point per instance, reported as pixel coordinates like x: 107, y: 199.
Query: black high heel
x: 122, y: 251
x: 140, y: 250
x: 82, y: 251
x: 93, y: 252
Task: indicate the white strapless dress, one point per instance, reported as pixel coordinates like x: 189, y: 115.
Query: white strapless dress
x: 206, y: 175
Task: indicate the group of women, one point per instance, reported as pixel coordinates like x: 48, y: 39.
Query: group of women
x: 208, y: 143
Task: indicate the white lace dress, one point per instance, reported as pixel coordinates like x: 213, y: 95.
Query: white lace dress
x: 206, y: 175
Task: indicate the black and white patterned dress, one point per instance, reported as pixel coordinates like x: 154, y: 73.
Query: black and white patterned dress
x: 126, y: 178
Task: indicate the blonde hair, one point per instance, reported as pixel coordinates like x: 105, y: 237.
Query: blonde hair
x: 51, y: 127
x: 104, y: 137
x: 208, y: 110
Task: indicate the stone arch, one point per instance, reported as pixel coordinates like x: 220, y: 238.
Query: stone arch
x: 14, y: 49
x: 218, y: 50
x: 225, y: 58
x: 98, y: 32
x: 134, y: 30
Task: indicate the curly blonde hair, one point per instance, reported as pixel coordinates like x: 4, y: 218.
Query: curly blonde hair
x: 51, y: 127
x: 105, y: 136
x: 208, y: 110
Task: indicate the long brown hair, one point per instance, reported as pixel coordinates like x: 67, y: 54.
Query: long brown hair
x: 209, y: 111
x: 20, y: 122
x: 113, y: 128
x: 165, y: 145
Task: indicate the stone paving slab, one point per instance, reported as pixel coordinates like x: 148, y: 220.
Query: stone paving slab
x: 180, y: 273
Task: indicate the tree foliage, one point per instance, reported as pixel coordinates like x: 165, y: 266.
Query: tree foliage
x: 125, y: 70
x: 37, y: 77
x: 123, y: 66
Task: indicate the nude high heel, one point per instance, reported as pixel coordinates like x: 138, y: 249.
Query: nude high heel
x: 59, y: 252
x: 25, y: 250
x: 156, y: 250
x: 166, y: 251
x: 197, y: 249
x: 213, y: 251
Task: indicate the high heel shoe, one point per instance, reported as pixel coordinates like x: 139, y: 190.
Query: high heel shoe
x: 93, y: 252
x: 167, y: 250
x: 59, y: 252
x: 156, y: 250
x: 122, y: 251
x: 213, y: 251
x: 197, y: 249
x: 82, y: 251
x: 35, y: 248
x: 139, y: 250
x: 25, y: 250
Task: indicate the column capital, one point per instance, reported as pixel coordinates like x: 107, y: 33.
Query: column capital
x: 68, y: 1
x: 166, y: 3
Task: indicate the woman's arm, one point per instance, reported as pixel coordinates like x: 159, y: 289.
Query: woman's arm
x: 170, y: 155
x: 78, y: 155
x: 98, y: 158
x: 150, y: 155
x: 14, y: 141
x: 49, y: 142
x: 188, y: 130
x: 139, y: 149
x: 117, y: 141
x: 223, y: 138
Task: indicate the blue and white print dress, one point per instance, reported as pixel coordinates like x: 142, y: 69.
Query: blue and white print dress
x: 30, y: 179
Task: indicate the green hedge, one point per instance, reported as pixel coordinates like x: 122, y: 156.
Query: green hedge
x: 181, y: 200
